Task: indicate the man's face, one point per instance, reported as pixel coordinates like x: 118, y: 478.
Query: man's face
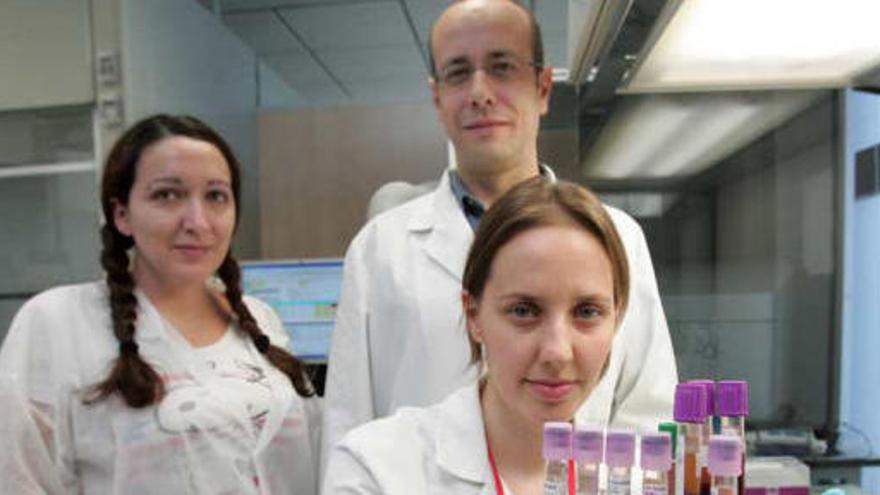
x: 487, y: 93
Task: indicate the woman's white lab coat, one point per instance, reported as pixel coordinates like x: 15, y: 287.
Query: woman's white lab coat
x: 60, y: 343
x: 399, y: 338
x: 436, y: 450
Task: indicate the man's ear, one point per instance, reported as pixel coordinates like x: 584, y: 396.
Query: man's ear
x: 470, y: 308
x: 435, y: 97
x: 120, y: 217
x: 545, y: 86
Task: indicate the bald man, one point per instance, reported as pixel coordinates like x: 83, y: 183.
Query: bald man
x: 399, y: 338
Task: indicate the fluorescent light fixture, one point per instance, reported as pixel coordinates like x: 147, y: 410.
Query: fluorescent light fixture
x: 636, y: 134
x: 677, y: 135
x: 761, y: 44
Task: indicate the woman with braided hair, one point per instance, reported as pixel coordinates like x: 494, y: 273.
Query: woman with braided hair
x: 163, y: 378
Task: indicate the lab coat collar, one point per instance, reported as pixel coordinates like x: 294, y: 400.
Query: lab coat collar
x: 150, y: 327
x: 449, y: 235
x: 461, y: 435
x: 547, y: 172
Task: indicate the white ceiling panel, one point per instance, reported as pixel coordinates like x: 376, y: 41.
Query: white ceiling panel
x: 322, y: 95
x: 275, y: 92
x: 375, y: 63
x: 264, y: 32
x: 350, y: 26
x: 424, y: 13
x: 391, y: 90
x: 241, y: 5
x: 298, y: 70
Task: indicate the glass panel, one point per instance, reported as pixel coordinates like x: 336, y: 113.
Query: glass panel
x: 743, y: 247
x: 49, y: 231
x: 49, y: 227
x: 54, y: 135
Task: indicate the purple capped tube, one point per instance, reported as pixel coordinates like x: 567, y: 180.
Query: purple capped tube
x: 557, y: 451
x: 588, y: 444
x: 620, y: 450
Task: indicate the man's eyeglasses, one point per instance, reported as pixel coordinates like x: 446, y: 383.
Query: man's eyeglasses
x: 503, y: 68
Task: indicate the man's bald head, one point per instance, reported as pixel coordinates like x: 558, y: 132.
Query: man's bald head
x: 534, y: 28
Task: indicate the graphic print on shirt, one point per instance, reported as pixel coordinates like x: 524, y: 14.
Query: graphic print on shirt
x: 237, y: 390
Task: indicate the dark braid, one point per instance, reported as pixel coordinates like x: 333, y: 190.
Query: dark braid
x: 230, y: 274
x: 131, y: 376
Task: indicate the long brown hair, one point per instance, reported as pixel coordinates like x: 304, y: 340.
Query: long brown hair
x: 131, y: 376
x: 535, y: 203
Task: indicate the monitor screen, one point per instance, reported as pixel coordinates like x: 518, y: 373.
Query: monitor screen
x: 304, y: 293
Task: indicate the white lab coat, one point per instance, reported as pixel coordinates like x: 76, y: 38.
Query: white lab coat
x: 436, y: 450
x: 400, y: 338
x: 60, y: 343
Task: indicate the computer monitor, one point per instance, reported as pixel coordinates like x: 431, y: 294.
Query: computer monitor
x: 305, y: 294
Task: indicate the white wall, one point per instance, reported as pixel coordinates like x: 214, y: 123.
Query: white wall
x: 860, y: 373
x: 179, y: 58
x: 276, y: 94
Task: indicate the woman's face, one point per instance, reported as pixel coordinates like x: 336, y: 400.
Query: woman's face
x: 180, y: 212
x: 546, y: 320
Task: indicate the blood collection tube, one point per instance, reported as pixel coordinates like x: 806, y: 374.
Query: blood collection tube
x: 675, y: 476
x: 724, y: 457
x: 710, y: 425
x: 733, y: 407
x: 557, y: 451
x: 690, y: 414
x: 620, y: 449
x: 587, y: 449
x: 713, y: 421
x: 656, y: 459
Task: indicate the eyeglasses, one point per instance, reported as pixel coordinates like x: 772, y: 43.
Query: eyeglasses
x: 502, y: 68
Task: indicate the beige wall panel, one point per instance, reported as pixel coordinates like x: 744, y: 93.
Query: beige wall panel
x: 318, y: 169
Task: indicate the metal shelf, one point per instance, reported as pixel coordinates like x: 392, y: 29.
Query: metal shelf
x: 46, y: 169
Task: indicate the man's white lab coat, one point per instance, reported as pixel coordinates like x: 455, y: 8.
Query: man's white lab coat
x: 400, y: 338
x: 60, y: 343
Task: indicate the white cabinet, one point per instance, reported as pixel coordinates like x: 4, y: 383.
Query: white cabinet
x: 49, y: 203
x: 45, y: 53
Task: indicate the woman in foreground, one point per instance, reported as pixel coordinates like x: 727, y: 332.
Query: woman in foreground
x: 544, y: 285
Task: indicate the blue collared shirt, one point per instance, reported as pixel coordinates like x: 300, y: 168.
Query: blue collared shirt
x: 472, y: 208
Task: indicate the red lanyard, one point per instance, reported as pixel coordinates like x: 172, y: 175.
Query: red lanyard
x: 499, y: 488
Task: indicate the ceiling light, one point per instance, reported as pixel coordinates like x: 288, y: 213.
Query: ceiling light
x: 678, y: 135
x: 761, y: 44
